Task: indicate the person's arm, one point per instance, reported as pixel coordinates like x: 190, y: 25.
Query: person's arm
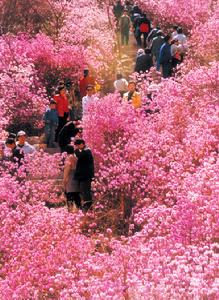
x: 66, y: 175
x: 67, y: 170
x: 45, y: 117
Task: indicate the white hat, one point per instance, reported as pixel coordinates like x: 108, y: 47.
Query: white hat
x: 20, y: 133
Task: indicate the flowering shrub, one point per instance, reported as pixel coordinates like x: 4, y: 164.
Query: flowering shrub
x: 162, y: 159
x: 185, y: 13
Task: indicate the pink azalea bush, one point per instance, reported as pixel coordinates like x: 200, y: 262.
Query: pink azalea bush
x: 22, y: 96
x: 185, y: 13
x: 162, y: 158
x: 205, y: 39
x: 33, y: 64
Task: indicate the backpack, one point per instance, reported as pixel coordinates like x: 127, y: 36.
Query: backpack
x: 144, y: 28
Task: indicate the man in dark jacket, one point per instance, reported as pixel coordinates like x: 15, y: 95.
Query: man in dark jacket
x: 157, y: 43
x: 84, y: 171
x: 165, y: 58
x: 144, y: 62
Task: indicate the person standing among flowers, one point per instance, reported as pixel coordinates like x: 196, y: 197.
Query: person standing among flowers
x: 51, y: 121
x: 125, y: 24
x: 84, y: 172
x: 62, y: 108
x: 71, y: 186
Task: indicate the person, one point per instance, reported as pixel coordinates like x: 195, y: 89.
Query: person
x: 136, y: 25
x: 180, y: 36
x: 62, y: 108
x: 144, y: 62
x: 132, y: 95
x: 182, y: 41
x: 23, y: 145
x: 128, y: 7
x: 125, y: 24
x: 176, y: 49
x: 135, y: 9
x: 84, y: 82
x: 165, y: 58
x: 153, y: 33
x: 17, y: 155
x: 66, y: 134
x: 144, y: 28
x: 118, y: 10
x: 71, y: 186
x: 157, y: 42
x: 84, y: 172
x: 86, y: 99
x: 140, y: 52
x: 121, y: 84
x: 51, y: 120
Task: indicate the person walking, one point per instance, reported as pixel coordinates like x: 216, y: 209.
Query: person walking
x: 62, y: 108
x: 51, y: 120
x: 118, y: 10
x: 84, y: 172
x: 71, y: 186
x: 125, y: 24
x: 144, y: 28
x: 144, y: 62
x: 165, y: 58
x: 157, y: 43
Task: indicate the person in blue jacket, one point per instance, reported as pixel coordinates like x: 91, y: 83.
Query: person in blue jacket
x: 51, y: 121
x: 165, y: 58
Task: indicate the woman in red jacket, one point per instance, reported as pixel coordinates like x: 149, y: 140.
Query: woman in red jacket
x: 62, y: 108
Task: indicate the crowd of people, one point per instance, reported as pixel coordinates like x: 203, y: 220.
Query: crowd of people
x: 62, y: 125
x: 160, y: 49
x: 64, y: 132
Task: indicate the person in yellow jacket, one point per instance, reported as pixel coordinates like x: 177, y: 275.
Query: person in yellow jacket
x: 132, y: 95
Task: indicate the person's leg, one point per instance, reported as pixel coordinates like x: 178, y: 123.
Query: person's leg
x: 85, y: 192
x: 127, y: 37
x: 52, y: 136
x: 70, y: 200
x: 122, y: 38
x: 77, y: 200
x: 60, y: 125
x: 47, y: 134
x: 145, y: 39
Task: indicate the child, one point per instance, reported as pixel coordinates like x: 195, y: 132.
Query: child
x: 71, y: 186
x: 51, y: 123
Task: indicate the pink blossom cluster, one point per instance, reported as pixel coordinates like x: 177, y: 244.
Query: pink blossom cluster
x: 164, y: 160
x: 30, y: 63
x: 185, y: 13
x: 205, y: 38
x: 22, y: 96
